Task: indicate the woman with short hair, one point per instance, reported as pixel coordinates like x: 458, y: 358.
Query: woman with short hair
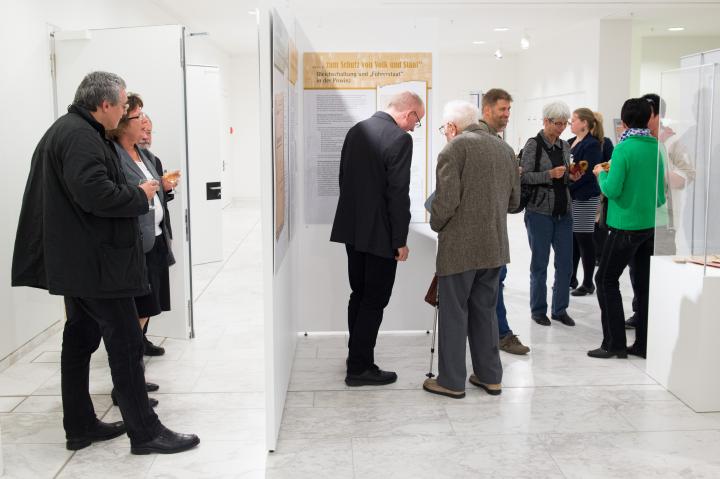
x: 548, y: 214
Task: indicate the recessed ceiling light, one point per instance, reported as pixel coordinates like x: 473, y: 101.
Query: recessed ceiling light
x: 479, y: 42
x: 498, y: 54
x: 676, y: 29
x: 525, y: 43
x: 501, y: 29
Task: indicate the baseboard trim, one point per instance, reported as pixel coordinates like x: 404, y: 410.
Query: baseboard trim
x: 33, y: 343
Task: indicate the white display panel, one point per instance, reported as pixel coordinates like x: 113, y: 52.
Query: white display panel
x: 158, y: 75
x: 205, y: 162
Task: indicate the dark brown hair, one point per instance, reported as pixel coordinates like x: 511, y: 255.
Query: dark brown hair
x: 134, y: 101
x: 493, y: 95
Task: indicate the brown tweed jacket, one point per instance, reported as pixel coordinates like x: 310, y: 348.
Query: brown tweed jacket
x: 477, y: 183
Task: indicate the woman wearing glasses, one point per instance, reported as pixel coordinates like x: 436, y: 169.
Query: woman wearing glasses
x: 548, y: 214
x: 139, y: 168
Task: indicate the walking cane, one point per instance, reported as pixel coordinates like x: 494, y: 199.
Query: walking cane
x: 433, y: 299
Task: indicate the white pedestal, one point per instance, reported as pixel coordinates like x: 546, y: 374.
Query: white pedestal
x: 683, y: 332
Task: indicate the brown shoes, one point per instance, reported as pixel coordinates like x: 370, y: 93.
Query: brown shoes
x: 492, y: 389
x: 432, y: 386
x: 511, y: 344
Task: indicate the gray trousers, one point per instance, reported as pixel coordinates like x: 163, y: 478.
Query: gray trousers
x: 467, y: 310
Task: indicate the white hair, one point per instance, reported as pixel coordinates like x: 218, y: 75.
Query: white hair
x: 557, y: 110
x: 460, y: 112
x: 405, y: 101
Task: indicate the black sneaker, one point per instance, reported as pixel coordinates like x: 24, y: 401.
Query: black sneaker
x: 564, y: 318
x: 541, y: 319
x: 373, y: 376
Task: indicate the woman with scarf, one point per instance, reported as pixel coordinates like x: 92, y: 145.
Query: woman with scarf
x: 630, y: 185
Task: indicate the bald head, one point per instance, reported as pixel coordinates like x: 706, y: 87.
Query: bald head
x: 407, y: 109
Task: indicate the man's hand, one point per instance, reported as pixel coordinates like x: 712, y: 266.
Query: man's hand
x: 557, y: 172
x: 150, y: 188
x: 402, y: 254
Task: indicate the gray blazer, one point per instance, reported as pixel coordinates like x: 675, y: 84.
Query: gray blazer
x: 477, y: 184
x: 543, y: 199
x: 133, y: 174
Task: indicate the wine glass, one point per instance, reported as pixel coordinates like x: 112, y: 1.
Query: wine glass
x: 151, y: 202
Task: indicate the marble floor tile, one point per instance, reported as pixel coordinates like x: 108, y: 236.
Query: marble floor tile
x: 105, y: 460
x: 316, y: 459
x: 179, y: 402
x: 8, y: 403
x: 522, y: 456
x: 644, y: 455
x: 21, y: 379
x: 47, y: 404
x: 300, y: 399
x: 531, y: 418
x: 32, y: 428
x: 213, y: 460
x: 33, y: 461
x: 667, y: 416
x: 311, y: 423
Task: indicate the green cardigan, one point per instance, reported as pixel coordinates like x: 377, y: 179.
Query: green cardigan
x: 632, y: 184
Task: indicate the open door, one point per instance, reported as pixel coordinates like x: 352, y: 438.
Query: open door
x: 151, y: 60
x: 205, y: 153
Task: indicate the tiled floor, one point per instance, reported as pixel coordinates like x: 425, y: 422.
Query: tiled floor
x: 561, y: 414
x: 212, y: 385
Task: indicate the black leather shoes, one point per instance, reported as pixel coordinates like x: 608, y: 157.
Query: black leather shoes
x: 151, y: 349
x: 541, y: 319
x: 631, y: 322
x: 636, y: 351
x: 151, y: 387
x: 167, y: 442
x: 605, y: 354
x: 564, y: 318
x: 102, y: 431
x: 152, y: 401
x: 583, y: 290
x: 373, y: 376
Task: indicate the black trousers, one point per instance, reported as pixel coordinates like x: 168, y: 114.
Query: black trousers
x: 371, y: 280
x: 584, y: 248
x: 116, y: 322
x: 621, y: 248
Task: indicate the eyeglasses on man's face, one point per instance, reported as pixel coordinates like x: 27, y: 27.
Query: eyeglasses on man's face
x: 417, y: 123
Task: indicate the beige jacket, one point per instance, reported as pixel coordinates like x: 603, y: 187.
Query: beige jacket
x: 477, y: 184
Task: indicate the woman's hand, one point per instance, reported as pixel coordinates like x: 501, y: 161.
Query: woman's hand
x: 170, y: 180
x: 557, y: 172
x: 575, y: 175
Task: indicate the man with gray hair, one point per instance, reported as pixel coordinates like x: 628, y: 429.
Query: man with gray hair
x: 477, y: 184
x: 78, y: 236
x: 372, y: 220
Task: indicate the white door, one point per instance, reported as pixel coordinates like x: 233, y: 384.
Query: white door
x: 151, y: 61
x: 205, y: 162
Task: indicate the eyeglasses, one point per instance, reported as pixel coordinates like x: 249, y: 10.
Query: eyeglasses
x: 559, y: 124
x: 443, y: 128
x: 139, y: 116
x: 417, y: 123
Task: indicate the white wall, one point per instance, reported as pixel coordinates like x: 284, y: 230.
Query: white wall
x: 659, y: 54
x: 245, y: 161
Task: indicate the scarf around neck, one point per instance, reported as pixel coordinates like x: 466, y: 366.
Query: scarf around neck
x: 634, y: 132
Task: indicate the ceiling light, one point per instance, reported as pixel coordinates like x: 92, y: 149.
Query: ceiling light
x: 524, y: 42
x: 479, y: 42
x: 498, y: 54
x: 676, y: 29
x: 501, y: 29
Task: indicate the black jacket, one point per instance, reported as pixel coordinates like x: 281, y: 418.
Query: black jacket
x: 373, y: 211
x: 586, y: 186
x: 78, y: 230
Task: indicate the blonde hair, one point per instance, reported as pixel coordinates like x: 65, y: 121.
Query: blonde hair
x: 595, y: 126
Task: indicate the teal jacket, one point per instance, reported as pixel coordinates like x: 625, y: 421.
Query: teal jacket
x: 636, y: 176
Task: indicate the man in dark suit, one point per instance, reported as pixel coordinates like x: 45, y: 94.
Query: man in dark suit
x: 78, y: 236
x: 372, y: 219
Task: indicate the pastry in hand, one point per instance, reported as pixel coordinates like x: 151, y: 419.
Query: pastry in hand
x: 605, y: 165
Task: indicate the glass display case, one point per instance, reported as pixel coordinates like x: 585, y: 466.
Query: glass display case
x: 688, y: 223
